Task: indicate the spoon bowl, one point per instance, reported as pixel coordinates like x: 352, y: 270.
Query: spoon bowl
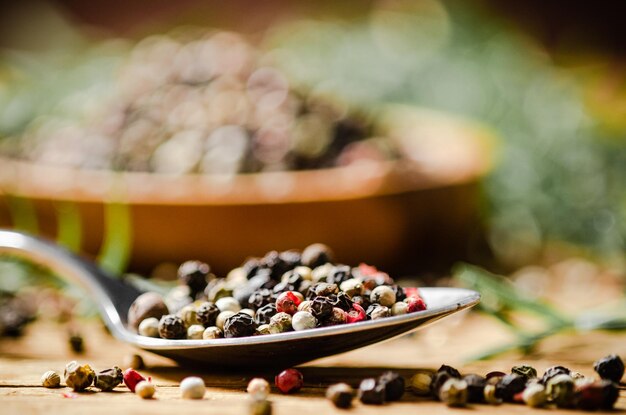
x: 114, y: 296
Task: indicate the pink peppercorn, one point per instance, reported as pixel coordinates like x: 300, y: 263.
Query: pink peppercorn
x: 287, y: 302
x: 411, y: 292
x: 132, y: 378
x: 289, y: 380
x: 356, y: 314
x: 367, y: 270
x: 415, y: 304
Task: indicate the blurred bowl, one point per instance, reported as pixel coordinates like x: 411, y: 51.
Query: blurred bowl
x: 404, y: 216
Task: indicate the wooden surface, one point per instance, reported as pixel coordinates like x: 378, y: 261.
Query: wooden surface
x: 452, y: 341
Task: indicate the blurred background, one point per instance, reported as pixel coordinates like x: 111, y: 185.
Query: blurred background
x: 413, y: 135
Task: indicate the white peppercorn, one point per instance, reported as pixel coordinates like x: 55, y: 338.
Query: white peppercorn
x: 453, y: 392
x: 399, y: 308
x: 383, y: 295
x: 263, y: 329
x: 534, y: 395
x: 192, y: 387
x: 189, y: 315
x: 305, y: 306
x: 320, y: 274
x: 303, y: 320
x: 228, y: 304
x: 211, y: 333
x: 51, y: 379
x: 490, y: 394
x: 352, y: 287
x: 305, y: 272
x: 560, y: 390
x: 222, y: 317
x: 258, y: 388
x: 145, y: 389
x: 248, y: 311
x: 149, y: 327
x: 280, y: 322
x: 420, y: 384
x: 195, y: 332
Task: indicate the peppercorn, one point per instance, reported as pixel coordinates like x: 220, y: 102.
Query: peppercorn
x: 177, y: 298
x: 490, y: 395
x: 528, y: 372
x: 147, y: 305
x: 172, y: 327
x: 610, y: 367
x: 363, y: 301
x: 107, y: 380
x: 415, y: 304
x: 340, y: 394
x: 303, y: 320
x: 277, y: 263
x: 292, y: 278
x: 475, y: 388
x: 289, y: 381
x: 51, y: 379
x: 212, y: 332
x: 189, y: 315
x: 552, y: 372
x: 371, y: 392
x: 534, y: 395
x: 134, y: 361
x: 340, y: 300
x: 356, y: 314
x: 383, y: 295
x: 316, y: 254
x: 145, y: 389
x: 280, y: 323
x: 394, y: 385
x: 509, y: 385
x: 560, y: 390
x: 248, y: 311
x: 337, y: 317
x: 239, y: 325
x: 321, y: 308
x: 222, y: 317
x: 322, y: 289
x: 282, y: 287
x: 260, y: 298
x: 287, y: 302
x: 494, y: 375
x: 352, y: 287
x: 149, y: 327
x: 260, y: 407
x: 399, y: 292
x: 305, y: 306
x: 258, y: 388
x: 339, y: 274
x: 228, y: 304
x: 192, y: 387
x: 399, y: 308
x: 132, y: 378
x: 194, y: 275
x: 263, y: 329
x: 195, y: 332
x: 78, y: 377
x: 600, y: 394
x: 450, y: 371
x: 377, y: 311
x: 438, y: 380
x: 77, y: 344
x: 453, y: 392
x: 265, y: 313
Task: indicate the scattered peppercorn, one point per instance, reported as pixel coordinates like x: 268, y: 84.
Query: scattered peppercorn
x: 172, y: 327
x: 510, y: 385
x: 560, y: 390
x: 534, y: 395
x: 475, y: 388
x: 340, y: 394
x: 371, y: 392
x: 51, y: 379
x: 289, y: 380
x: 438, y: 380
x: 490, y: 395
x: 610, y: 367
x: 192, y: 387
x: 108, y: 379
x: 260, y: 407
x: 258, y: 388
x: 394, y: 385
x: 552, y: 372
x: 528, y: 372
x: 601, y: 394
x: 420, y: 384
x: 78, y: 377
x: 147, y: 305
x: 145, y: 389
x: 239, y: 325
x: 453, y: 392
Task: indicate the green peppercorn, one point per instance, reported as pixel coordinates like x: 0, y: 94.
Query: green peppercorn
x: 108, y: 379
x: 610, y: 367
x: 340, y: 394
x: 560, y: 390
x: 78, y: 377
x: 528, y: 372
x: 420, y: 384
x: 453, y: 392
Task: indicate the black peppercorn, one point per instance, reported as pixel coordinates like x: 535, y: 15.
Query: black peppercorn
x: 239, y: 325
x: 340, y: 394
x: 265, y: 313
x: 494, y: 377
x: 172, y: 327
x: 261, y: 297
x: 277, y: 263
x: 291, y: 259
x: 251, y: 266
x: 450, y: 371
x: 371, y: 392
x: 283, y: 287
x: 194, y: 274
x: 510, y: 385
x: 207, y: 313
x: 528, y: 372
x: 601, y: 394
x: 77, y: 344
x: 322, y: 289
x: 475, y: 388
x: 399, y: 291
x: 293, y: 277
x: 438, y: 380
x: 362, y: 300
x: 321, y: 308
x: 339, y: 274
x: 341, y: 300
x: 610, y: 367
x: 317, y: 254
x: 552, y: 372
x: 108, y: 379
x: 394, y: 385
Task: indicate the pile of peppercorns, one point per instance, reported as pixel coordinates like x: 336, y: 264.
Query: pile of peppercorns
x: 558, y: 386
x: 283, y: 291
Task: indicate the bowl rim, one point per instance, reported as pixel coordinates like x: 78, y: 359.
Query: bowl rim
x: 361, y: 180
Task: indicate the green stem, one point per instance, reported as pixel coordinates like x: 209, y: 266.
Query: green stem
x: 23, y: 214
x: 115, y: 253
x: 69, y: 226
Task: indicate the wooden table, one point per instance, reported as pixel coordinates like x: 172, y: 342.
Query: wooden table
x: 452, y: 341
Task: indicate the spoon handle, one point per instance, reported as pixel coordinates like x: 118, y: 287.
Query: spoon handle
x: 112, y: 295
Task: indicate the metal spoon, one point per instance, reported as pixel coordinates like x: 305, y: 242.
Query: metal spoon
x: 114, y: 297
